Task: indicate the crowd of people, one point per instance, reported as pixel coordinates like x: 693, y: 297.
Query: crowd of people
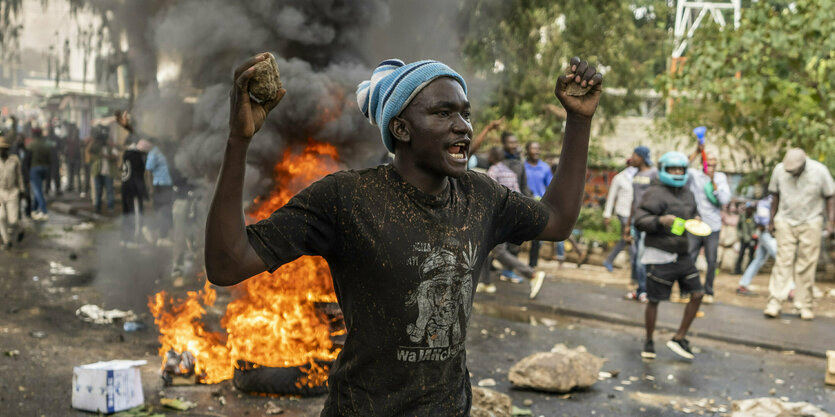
x: 40, y: 161
x: 647, y: 200
x: 787, y: 224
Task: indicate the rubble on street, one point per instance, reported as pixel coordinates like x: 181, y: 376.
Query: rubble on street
x: 560, y: 370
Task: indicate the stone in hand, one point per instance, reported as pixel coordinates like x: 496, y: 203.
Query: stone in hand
x: 265, y: 82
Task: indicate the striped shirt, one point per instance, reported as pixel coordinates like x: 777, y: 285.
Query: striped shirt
x: 503, y: 175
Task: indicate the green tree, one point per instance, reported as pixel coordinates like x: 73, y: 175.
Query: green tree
x: 764, y: 87
x: 520, y: 46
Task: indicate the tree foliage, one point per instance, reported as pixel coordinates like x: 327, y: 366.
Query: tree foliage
x: 10, y: 29
x: 521, y: 46
x: 765, y: 87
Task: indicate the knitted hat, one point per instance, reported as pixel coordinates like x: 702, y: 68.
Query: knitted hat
x: 392, y: 87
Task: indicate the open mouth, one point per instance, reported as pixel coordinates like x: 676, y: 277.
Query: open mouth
x: 458, y: 150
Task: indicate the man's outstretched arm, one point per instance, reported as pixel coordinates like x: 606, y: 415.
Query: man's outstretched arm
x: 565, y: 194
x: 229, y: 257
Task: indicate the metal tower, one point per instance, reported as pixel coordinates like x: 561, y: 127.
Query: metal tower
x: 690, y: 14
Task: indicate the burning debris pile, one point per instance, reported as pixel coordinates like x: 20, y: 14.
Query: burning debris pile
x: 280, y: 320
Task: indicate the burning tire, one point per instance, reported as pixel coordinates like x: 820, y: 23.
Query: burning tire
x: 252, y: 378
x: 283, y: 381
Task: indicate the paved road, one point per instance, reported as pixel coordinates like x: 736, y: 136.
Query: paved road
x: 37, y: 381
x: 721, y: 322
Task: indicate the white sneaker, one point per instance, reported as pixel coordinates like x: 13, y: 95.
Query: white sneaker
x: 772, y: 311
x: 806, y: 314
x: 536, y: 283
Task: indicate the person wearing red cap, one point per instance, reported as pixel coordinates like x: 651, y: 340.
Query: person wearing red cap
x: 800, y: 187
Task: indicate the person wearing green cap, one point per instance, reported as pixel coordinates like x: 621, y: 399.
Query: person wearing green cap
x: 405, y: 242
x: 11, y: 185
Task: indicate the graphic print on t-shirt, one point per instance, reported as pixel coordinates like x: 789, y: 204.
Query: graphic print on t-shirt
x: 443, y: 301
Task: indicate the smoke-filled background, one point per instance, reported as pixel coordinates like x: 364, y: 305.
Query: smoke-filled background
x: 181, y: 56
x: 324, y: 48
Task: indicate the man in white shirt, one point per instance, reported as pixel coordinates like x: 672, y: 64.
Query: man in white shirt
x: 800, y: 187
x: 619, y: 200
x: 712, y: 192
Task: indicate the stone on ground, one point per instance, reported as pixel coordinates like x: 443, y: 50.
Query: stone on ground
x: 560, y: 370
x: 774, y: 407
x: 489, y: 403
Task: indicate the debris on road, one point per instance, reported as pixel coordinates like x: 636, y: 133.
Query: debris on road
x: 143, y: 410
x: 108, y: 386
x: 685, y: 405
x: 179, y: 368
x: 56, y: 268
x: 560, y: 370
x: 92, y: 313
x: 273, y: 409
x: 487, y: 382
x: 38, y: 334
x: 521, y: 412
x: 83, y: 227
x: 773, y: 407
x: 830, y: 367
x: 12, y: 353
x: 177, y: 404
x: 489, y: 403
x: 132, y: 326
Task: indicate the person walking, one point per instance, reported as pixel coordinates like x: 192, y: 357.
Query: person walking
x: 103, y: 158
x: 502, y: 174
x: 513, y: 160
x: 133, y: 194
x: 163, y: 196
x: 11, y: 187
x: 39, y: 174
x: 766, y: 245
x: 748, y: 236
x: 74, y: 158
x: 56, y: 143
x: 800, y: 187
x: 619, y: 201
x: 642, y: 180
x: 539, y: 175
x: 404, y: 240
x: 661, y: 216
x: 712, y: 192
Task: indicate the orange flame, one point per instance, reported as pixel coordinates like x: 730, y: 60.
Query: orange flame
x: 273, y: 319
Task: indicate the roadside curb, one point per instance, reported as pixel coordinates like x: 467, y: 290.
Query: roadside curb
x: 533, y: 309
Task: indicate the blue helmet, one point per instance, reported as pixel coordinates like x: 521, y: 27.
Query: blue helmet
x: 673, y: 160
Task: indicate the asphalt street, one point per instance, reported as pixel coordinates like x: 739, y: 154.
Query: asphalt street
x: 38, y: 321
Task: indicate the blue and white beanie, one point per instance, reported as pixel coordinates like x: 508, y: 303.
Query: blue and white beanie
x: 392, y: 87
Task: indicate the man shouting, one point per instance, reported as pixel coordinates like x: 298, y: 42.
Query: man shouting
x: 405, y: 242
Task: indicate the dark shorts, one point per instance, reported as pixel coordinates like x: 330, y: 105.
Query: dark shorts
x: 661, y: 277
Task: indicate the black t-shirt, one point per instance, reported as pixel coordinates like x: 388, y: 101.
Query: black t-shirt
x: 133, y: 173
x: 404, y: 266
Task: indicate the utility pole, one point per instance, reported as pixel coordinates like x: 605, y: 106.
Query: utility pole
x: 690, y: 14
